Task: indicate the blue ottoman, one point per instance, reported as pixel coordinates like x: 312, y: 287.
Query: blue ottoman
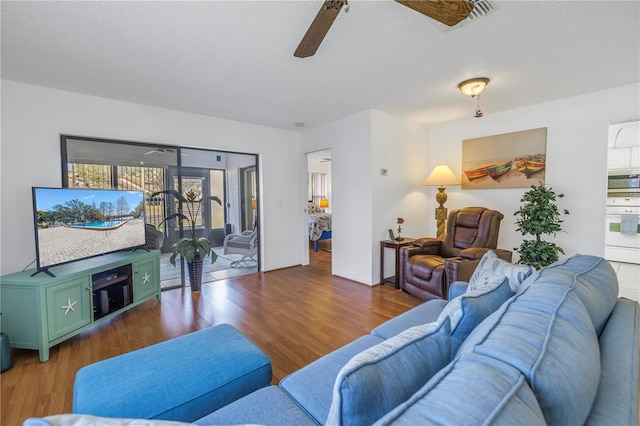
x: 181, y: 379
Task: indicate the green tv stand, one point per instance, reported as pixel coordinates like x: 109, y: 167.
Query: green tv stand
x: 41, y: 311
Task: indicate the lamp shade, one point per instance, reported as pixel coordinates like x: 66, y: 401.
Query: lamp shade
x: 441, y: 176
x: 324, y: 203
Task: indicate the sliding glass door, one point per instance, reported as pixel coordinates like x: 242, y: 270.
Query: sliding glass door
x: 232, y: 177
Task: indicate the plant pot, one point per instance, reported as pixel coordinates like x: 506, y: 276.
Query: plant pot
x: 195, y: 272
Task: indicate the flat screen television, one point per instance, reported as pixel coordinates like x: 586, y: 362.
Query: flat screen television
x: 72, y: 224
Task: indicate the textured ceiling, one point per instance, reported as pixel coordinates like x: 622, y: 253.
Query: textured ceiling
x: 234, y: 59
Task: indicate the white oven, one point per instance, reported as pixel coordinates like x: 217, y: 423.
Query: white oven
x: 622, y: 229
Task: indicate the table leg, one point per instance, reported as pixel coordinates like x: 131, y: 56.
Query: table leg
x: 397, y: 277
x: 381, y: 263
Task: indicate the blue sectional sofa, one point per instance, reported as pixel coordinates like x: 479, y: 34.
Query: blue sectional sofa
x: 563, y: 349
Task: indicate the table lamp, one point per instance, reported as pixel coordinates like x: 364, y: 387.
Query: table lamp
x: 440, y: 176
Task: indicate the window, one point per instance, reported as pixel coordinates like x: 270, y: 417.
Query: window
x: 103, y: 176
x: 317, y: 187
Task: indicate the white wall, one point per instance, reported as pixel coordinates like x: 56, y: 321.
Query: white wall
x: 33, y: 117
x: 366, y: 204
x: 349, y: 141
x: 577, y: 130
x: 402, y: 149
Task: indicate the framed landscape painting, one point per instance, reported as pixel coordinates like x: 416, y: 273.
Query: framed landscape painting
x: 509, y: 160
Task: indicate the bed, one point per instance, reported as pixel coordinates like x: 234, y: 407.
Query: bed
x: 319, y: 225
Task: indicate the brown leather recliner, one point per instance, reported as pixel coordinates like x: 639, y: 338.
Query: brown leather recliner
x: 429, y: 266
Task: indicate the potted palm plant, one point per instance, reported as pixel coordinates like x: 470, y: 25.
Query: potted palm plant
x: 192, y: 249
x: 538, y: 215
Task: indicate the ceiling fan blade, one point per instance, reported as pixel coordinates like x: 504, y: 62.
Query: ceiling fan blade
x: 159, y: 151
x: 449, y: 12
x: 319, y: 28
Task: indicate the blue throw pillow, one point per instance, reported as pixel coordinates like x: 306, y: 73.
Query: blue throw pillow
x: 471, y: 308
x: 380, y: 378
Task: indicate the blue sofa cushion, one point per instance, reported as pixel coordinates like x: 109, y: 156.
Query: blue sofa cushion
x: 422, y: 314
x: 312, y: 386
x: 224, y: 365
x: 472, y: 390
x: 268, y: 406
x: 491, y: 268
x: 471, y: 308
x: 545, y: 332
x: 378, y: 379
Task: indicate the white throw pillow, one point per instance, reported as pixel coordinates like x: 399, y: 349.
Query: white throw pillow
x: 492, y: 270
x: 87, y: 420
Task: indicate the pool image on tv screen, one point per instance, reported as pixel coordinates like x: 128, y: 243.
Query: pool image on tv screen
x: 73, y: 224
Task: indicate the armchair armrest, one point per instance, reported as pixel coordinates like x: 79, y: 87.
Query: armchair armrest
x: 422, y: 246
x: 476, y: 253
x: 427, y: 242
x: 459, y: 269
x: 229, y: 237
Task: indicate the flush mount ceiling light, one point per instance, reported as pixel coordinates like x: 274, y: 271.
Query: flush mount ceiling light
x: 473, y: 86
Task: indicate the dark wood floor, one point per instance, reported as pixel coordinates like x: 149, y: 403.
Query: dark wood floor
x: 295, y: 315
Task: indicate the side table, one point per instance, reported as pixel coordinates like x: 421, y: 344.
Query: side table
x: 395, y: 245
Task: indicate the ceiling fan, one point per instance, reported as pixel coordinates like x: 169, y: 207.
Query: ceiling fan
x: 449, y: 12
x: 159, y: 151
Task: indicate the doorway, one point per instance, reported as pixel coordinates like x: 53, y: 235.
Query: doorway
x: 622, y: 223
x: 319, y: 206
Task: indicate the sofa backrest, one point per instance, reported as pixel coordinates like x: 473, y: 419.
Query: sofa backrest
x: 591, y: 278
x: 548, y: 334
x: 618, y: 392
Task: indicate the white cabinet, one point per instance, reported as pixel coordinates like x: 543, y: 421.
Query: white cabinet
x: 635, y: 157
x: 624, y: 158
x: 618, y: 158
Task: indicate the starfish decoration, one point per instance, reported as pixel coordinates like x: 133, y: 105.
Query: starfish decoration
x: 146, y: 278
x: 69, y: 307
